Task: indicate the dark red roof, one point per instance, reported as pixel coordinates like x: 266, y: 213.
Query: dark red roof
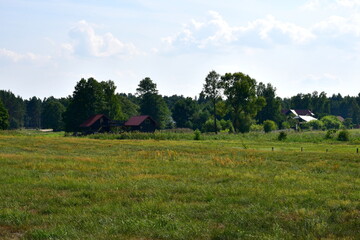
x: 92, y: 120
x: 137, y: 120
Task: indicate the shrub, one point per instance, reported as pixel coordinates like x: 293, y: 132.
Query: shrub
x: 209, y: 126
x: 343, y: 135
x: 331, y: 122
x: 269, y: 126
x: 197, y: 134
x: 282, y: 136
x: 330, y: 134
x: 256, y: 128
x: 314, y: 125
x: 227, y: 125
x: 285, y: 125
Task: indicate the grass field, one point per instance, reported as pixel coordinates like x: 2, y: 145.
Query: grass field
x: 55, y: 187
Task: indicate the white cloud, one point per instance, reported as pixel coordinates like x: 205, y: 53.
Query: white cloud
x: 87, y: 42
x: 217, y: 32
x: 337, y: 25
x: 348, y: 3
x: 17, y: 57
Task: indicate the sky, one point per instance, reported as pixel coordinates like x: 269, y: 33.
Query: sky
x: 302, y: 46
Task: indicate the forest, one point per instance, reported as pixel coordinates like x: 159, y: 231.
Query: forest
x: 234, y: 102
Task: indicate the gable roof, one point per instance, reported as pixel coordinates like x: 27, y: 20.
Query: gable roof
x: 92, y: 120
x: 138, y: 120
x: 306, y: 118
x: 298, y: 112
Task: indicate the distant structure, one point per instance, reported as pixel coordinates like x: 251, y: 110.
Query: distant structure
x: 96, y: 123
x: 100, y: 123
x: 302, y: 115
x: 143, y: 123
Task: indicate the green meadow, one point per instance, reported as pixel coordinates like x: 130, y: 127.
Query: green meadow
x: 223, y: 187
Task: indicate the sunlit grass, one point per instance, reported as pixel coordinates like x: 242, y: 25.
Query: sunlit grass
x: 238, y: 188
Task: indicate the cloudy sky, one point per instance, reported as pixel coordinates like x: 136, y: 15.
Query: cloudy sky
x: 46, y: 46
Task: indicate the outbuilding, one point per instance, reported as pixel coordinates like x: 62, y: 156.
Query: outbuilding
x: 96, y: 123
x: 143, y: 123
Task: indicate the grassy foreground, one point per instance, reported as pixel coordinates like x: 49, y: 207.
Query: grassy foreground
x: 56, y: 187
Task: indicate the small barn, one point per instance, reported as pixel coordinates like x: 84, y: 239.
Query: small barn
x: 96, y: 123
x: 143, y: 123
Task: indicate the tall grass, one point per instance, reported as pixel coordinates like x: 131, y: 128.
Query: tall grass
x: 81, y: 188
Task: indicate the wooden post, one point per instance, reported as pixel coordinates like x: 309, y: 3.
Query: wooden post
x: 272, y: 149
x: 301, y: 148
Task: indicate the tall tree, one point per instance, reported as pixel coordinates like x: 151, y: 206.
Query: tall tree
x: 211, y: 90
x: 52, y: 114
x: 183, y: 112
x: 240, y: 90
x: 272, y: 109
x: 91, y: 97
x: 4, y: 117
x: 16, y: 108
x: 153, y: 104
x: 33, y: 113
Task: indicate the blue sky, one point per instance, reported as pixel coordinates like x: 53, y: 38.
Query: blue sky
x: 46, y: 46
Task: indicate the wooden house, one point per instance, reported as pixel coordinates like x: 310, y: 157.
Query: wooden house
x: 143, y: 123
x: 96, y: 123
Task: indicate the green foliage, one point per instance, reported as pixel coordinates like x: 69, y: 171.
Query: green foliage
x: 272, y: 109
x: 285, y: 125
x: 208, y: 126
x: 343, y: 135
x: 16, y: 108
x: 257, y: 128
x: 282, y: 136
x: 154, y: 105
x: 348, y: 123
x: 89, y: 98
x: 244, y: 122
x: 197, y: 134
x: 269, y: 126
x: 226, y: 125
x: 316, y: 124
x: 240, y: 90
x: 183, y: 112
x: 52, y: 114
x: 128, y: 107
x: 330, y: 134
x: 4, y: 117
x: 331, y: 122
x: 33, y: 113
x: 211, y: 90
x: 146, y: 86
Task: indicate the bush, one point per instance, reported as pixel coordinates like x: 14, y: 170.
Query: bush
x: 285, y: 125
x: 314, y: 125
x: 330, y: 134
x: 226, y: 125
x: 269, y: 126
x: 209, y: 126
x: 197, y: 134
x: 282, y: 136
x: 331, y: 122
x: 256, y: 128
x: 343, y: 135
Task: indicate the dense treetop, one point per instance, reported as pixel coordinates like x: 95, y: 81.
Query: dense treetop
x: 232, y: 102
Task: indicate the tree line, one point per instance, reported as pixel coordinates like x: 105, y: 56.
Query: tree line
x: 234, y: 102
